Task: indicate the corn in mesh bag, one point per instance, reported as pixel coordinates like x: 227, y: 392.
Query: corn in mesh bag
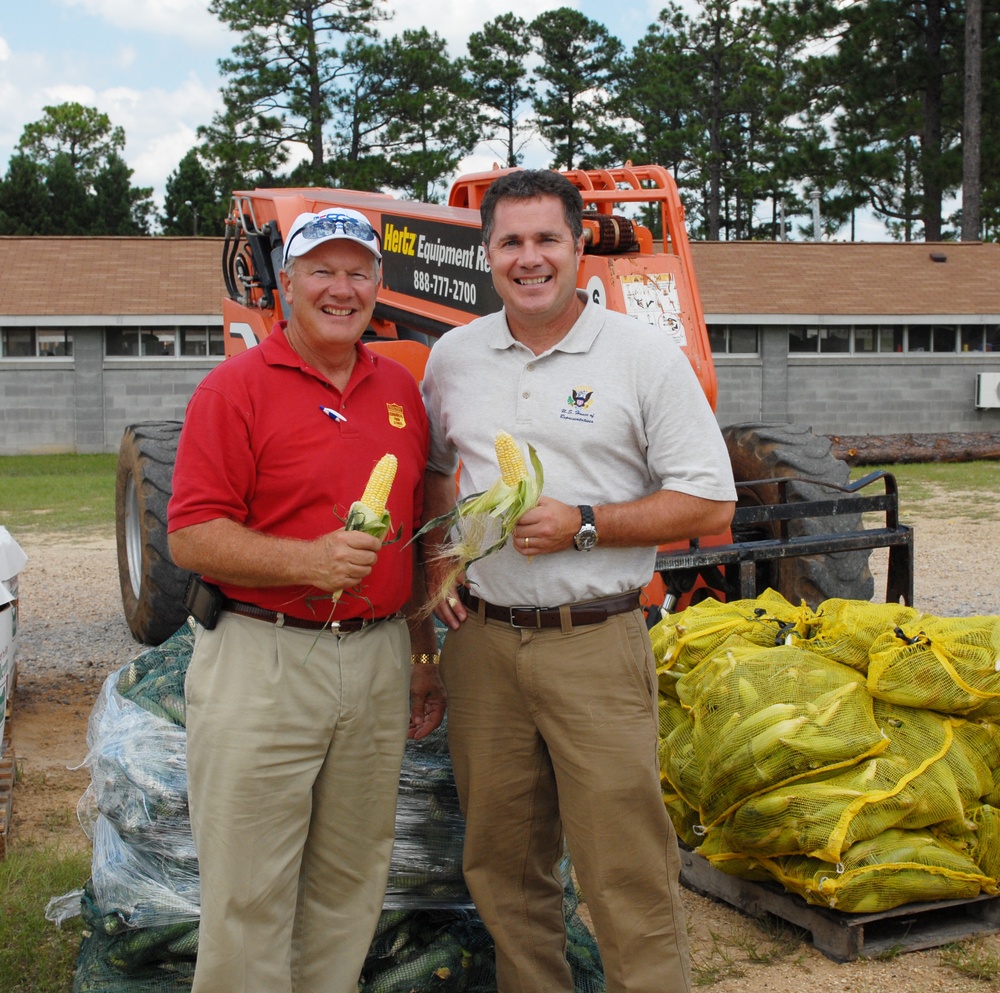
x: 946, y: 664
x: 686, y: 639
x: 844, y: 630
x: 680, y: 770
x: 765, y: 717
x: 894, y: 868
x: 929, y: 773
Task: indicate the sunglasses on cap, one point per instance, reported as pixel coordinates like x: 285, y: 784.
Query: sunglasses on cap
x: 327, y: 224
x: 332, y: 225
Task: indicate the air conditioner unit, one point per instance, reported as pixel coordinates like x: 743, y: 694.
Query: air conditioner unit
x: 987, y: 389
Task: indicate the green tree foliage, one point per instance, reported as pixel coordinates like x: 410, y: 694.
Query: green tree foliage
x: 284, y: 75
x: 191, y: 204
x: 893, y: 88
x: 84, y: 134
x: 429, y: 126
x: 497, y: 68
x: 579, y: 57
x: 23, y: 198
x: 70, y: 179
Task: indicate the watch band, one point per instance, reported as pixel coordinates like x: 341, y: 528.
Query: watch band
x: 586, y: 515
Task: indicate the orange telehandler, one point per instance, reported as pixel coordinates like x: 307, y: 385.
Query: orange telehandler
x: 798, y: 525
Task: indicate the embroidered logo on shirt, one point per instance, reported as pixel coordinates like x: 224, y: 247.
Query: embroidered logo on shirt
x: 577, y: 405
x: 396, y: 416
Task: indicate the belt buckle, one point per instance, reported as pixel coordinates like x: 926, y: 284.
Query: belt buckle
x: 537, y: 611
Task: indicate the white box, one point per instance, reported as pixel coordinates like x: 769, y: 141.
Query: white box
x: 12, y: 560
x: 6, y: 662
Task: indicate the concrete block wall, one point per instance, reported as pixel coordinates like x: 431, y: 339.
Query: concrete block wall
x: 37, y: 406
x: 854, y: 394
x: 83, y: 404
x: 147, y: 390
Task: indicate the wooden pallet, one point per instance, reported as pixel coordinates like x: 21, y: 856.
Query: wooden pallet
x: 6, y: 794
x: 845, y: 937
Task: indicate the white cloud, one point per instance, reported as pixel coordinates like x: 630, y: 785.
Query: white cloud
x: 4, y: 49
x: 189, y: 20
x: 455, y: 20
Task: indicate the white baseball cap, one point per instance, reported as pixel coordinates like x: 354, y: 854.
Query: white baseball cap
x: 311, y: 230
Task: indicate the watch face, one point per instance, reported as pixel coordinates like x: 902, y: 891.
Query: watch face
x: 585, y: 538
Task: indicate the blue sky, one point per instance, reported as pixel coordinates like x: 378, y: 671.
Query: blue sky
x: 151, y: 65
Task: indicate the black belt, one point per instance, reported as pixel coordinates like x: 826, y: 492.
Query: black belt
x: 587, y: 612
x: 345, y: 626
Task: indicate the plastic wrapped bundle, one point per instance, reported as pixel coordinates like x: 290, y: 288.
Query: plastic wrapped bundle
x: 766, y: 717
x: 426, y: 866
x: 946, y: 664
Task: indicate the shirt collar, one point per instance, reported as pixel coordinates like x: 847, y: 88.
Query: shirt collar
x: 579, y: 338
x: 277, y: 351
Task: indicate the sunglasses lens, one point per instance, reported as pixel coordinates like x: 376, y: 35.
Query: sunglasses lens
x: 329, y: 223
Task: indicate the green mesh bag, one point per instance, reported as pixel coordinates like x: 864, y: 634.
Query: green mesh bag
x: 155, y: 678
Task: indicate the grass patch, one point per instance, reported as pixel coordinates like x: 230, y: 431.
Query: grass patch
x: 943, y: 490
x: 35, y: 955
x: 973, y: 960
x: 57, y: 492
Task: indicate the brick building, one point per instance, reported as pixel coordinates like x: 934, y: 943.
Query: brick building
x: 98, y: 333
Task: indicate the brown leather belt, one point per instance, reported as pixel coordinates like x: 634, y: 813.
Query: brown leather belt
x: 586, y: 612
x: 345, y: 626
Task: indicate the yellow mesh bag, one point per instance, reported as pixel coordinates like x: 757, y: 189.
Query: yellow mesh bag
x: 973, y: 757
x: 720, y: 852
x: 765, y: 717
x: 911, y: 784
x: 894, y: 868
x: 691, y: 636
x: 679, y: 764
x: 846, y: 629
x: 986, y: 848
x: 946, y: 664
x: 683, y: 817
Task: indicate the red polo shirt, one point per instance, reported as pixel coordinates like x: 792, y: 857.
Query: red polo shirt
x: 257, y: 449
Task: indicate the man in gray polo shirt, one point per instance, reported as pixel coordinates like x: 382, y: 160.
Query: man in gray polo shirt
x: 552, y: 713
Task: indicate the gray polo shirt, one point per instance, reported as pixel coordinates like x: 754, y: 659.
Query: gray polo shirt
x: 614, y: 411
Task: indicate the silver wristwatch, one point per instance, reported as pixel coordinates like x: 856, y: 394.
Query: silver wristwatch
x: 586, y: 537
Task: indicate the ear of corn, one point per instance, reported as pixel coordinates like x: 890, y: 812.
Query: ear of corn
x: 510, y: 459
x: 482, y: 523
x: 369, y: 513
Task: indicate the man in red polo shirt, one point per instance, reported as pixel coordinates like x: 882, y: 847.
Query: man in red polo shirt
x: 297, y: 703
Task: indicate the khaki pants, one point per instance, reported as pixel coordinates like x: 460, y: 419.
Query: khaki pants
x: 293, y: 772
x: 554, y: 732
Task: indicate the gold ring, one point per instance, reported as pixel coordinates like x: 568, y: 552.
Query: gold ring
x: 452, y: 602
x: 527, y: 541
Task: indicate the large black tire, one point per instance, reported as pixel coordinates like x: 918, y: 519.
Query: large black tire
x: 152, y: 586
x: 761, y: 451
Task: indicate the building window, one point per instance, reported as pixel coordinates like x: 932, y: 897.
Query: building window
x: 943, y: 339
x: 733, y: 339
x: 27, y: 343
x: 802, y: 339
x: 202, y: 341
x: 159, y: 342
x: 982, y: 338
